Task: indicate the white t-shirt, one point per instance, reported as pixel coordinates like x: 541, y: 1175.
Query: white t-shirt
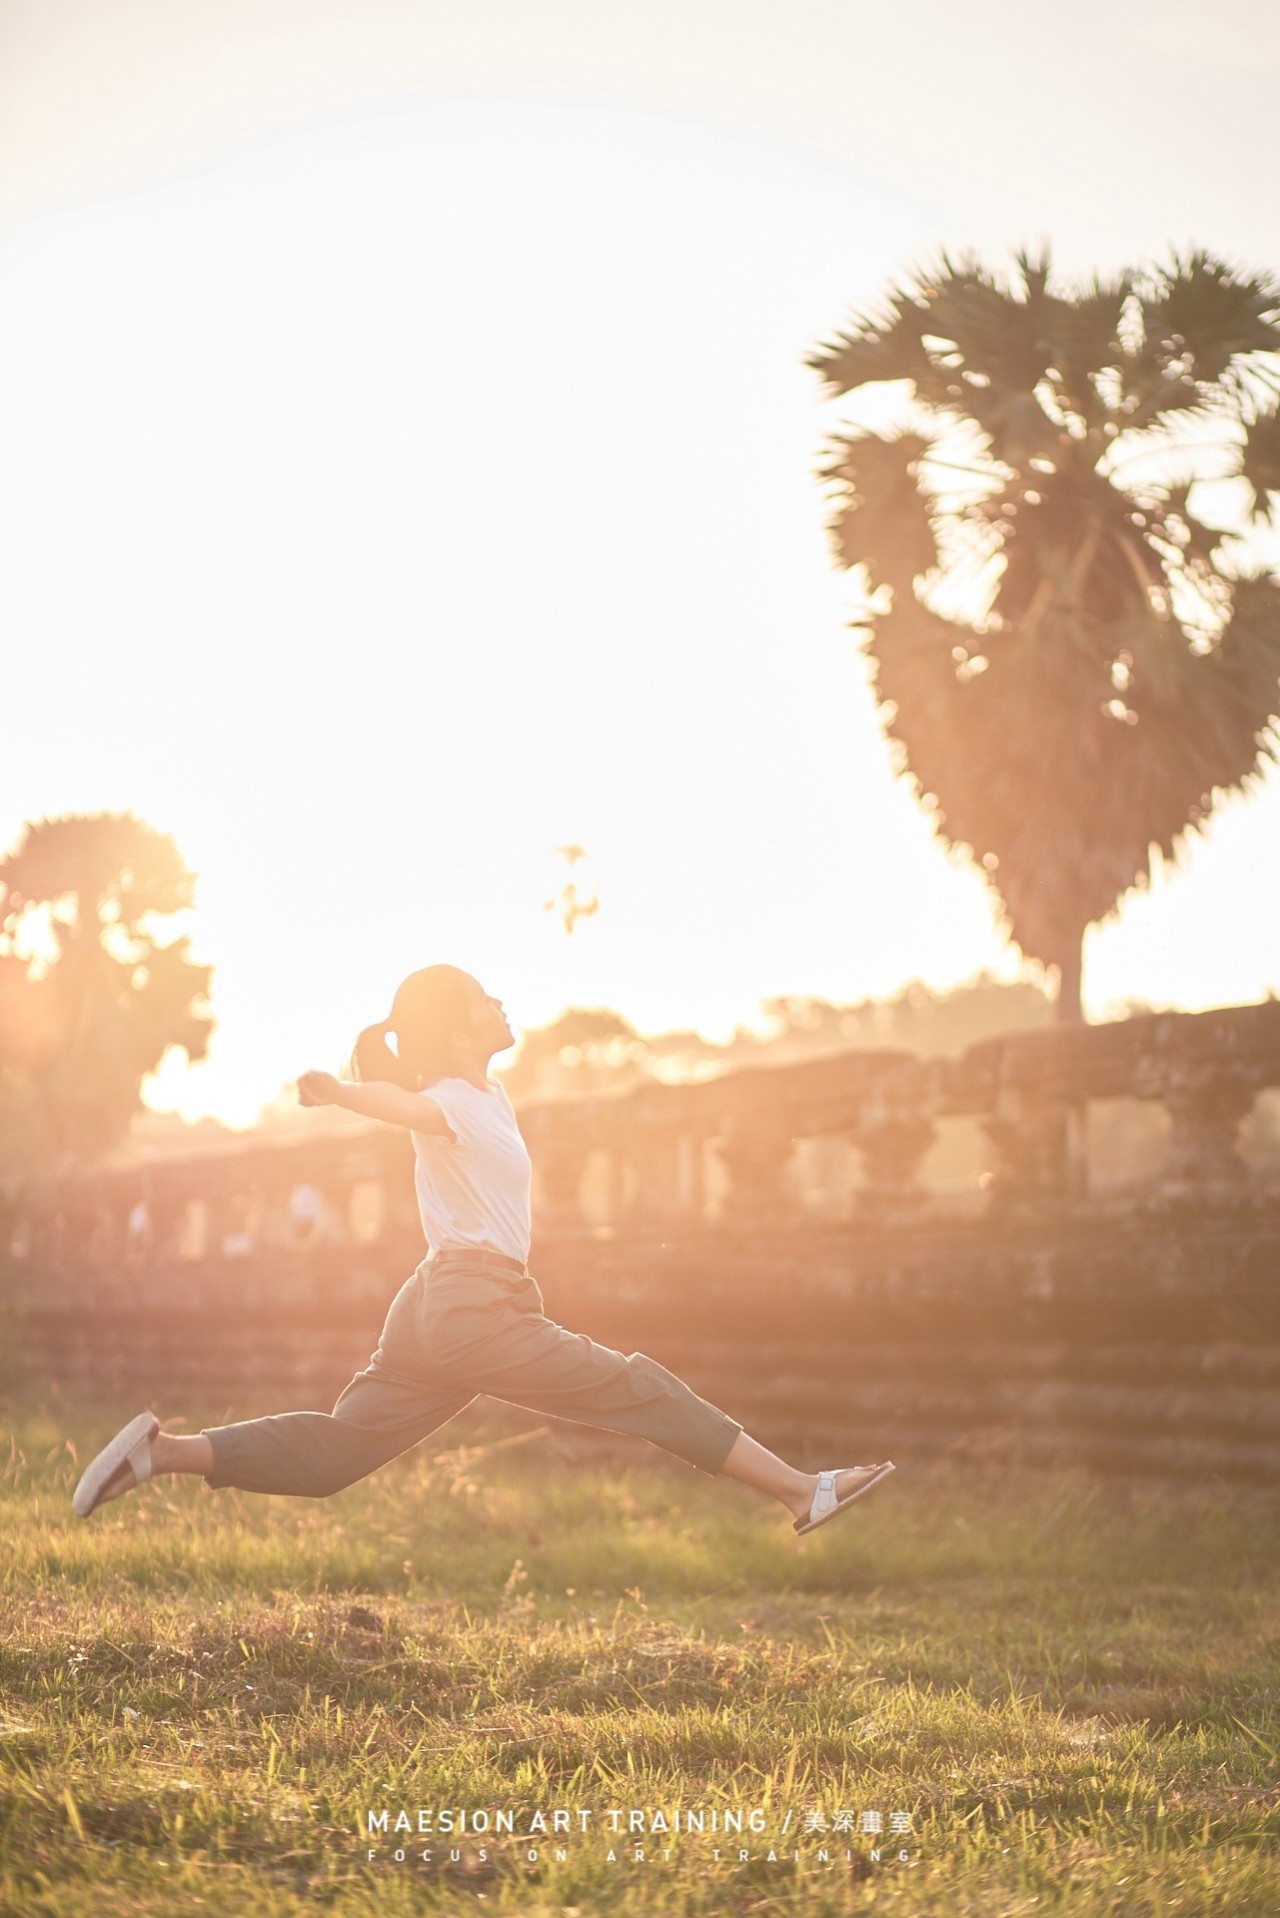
x: 473, y: 1190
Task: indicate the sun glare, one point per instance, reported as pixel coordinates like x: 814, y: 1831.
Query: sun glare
x: 396, y: 503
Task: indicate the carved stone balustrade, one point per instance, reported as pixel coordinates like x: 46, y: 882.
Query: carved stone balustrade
x: 1139, y: 1329
x: 754, y: 1137
x: 715, y: 1152
x: 1205, y: 1068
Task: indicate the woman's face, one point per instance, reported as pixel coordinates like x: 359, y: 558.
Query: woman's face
x: 489, y: 1022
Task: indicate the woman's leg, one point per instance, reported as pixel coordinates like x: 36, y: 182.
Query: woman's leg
x: 306, y: 1454
x: 179, y: 1452
x: 385, y: 1409
x: 528, y: 1360
x: 315, y: 1454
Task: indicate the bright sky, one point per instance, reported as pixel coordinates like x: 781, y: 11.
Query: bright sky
x: 406, y: 468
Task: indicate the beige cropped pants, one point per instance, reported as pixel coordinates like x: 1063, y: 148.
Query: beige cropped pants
x: 466, y: 1323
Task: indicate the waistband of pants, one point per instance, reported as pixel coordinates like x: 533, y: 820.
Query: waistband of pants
x: 475, y: 1255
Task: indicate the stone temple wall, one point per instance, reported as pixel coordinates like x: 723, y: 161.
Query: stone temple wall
x: 767, y: 1235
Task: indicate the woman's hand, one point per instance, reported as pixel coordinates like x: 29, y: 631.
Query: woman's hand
x: 318, y: 1089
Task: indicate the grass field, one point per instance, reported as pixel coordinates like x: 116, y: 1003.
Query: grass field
x: 1066, y: 1686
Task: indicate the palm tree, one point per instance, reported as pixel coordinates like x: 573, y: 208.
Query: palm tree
x: 1072, y: 662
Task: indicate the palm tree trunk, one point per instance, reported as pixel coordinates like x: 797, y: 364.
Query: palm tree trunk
x: 1074, y: 1117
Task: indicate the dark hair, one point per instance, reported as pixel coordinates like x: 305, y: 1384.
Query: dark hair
x: 427, y: 1010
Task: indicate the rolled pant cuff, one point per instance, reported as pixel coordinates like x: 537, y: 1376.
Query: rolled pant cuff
x: 711, y: 1452
x: 223, y: 1440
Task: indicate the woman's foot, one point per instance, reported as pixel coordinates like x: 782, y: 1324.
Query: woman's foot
x: 119, y: 1467
x: 752, y: 1464
x: 826, y: 1493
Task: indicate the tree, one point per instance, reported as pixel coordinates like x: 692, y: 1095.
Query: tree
x: 90, y: 1000
x: 917, y: 1019
x: 582, y: 1049
x: 1072, y: 661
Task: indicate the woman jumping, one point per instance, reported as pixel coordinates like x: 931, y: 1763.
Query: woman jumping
x: 470, y: 1320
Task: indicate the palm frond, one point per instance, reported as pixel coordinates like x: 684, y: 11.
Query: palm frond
x: 1213, y: 313
x: 1086, y: 342
x: 1248, y: 657
x: 882, y: 517
x: 884, y: 346
x: 1260, y: 460
x: 1201, y: 323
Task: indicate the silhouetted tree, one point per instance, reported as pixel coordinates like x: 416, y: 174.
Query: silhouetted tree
x: 583, y: 1049
x: 586, y: 1049
x: 1072, y: 662
x: 916, y: 1018
x: 90, y: 1000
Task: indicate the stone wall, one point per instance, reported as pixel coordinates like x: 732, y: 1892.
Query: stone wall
x: 860, y: 1317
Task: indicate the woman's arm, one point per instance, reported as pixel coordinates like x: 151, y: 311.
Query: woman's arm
x: 377, y: 1099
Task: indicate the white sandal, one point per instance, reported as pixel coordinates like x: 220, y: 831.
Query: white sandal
x: 131, y: 1446
x: 826, y: 1505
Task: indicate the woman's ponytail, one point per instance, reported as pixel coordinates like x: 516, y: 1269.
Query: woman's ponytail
x: 372, y: 1058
